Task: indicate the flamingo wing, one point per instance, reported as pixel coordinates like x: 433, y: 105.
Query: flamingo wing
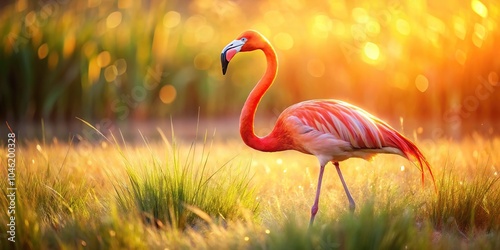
x: 334, y: 131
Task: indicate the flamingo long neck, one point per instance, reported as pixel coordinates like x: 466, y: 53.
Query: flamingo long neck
x: 247, y: 118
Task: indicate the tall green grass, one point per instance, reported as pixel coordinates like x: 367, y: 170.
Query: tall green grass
x: 467, y: 203
x: 167, y: 192
x: 369, y: 228
x: 50, y: 194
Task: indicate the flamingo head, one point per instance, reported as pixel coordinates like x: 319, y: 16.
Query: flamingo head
x: 247, y: 41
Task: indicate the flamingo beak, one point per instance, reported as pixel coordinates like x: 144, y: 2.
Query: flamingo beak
x: 228, y: 53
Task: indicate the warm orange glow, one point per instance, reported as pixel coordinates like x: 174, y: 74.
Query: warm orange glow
x: 89, y: 48
x: 21, y: 5
x: 69, y: 46
x: 360, y: 15
x: 43, y: 51
x: 479, y: 35
x: 103, y: 59
x: 421, y: 83
x: 121, y: 66
x: 30, y: 18
x: 372, y: 28
x: 321, y: 26
x: 53, y: 60
x: 400, y: 81
x: 460, y: 56
x: 171, y: 19
x: 168, y: 94
x: 459, y: 26
x: 371, y: 51
x: 435, y: 24
x: 203, y: 61
x: 93, y: 3
x: 110, y: 73
x: 403, y: 27
x: 114, y: 19
x: 479, y: 8
x: 160, y: 43
x: 283, y: 41
x: 125, y: 4
x: 434, y: 54
x: 94, y: 70
x: 316, y: 68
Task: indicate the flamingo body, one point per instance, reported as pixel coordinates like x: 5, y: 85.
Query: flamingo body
x: 331, y: 130
x: 335, y: 131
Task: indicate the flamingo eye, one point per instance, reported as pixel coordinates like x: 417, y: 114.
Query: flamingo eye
x: 244, y: 39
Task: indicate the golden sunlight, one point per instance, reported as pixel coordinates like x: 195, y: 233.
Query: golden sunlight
x: 459, y: 26
x: 110, y: 73
x: 171, y: 19
x: 283, y: 41
x: 69, y: 45
x: 93, y: 70
x: 360, y: 15
x: 168, y: 94
x: 403, y: 27
x: 43, y: 51
x: 479, y: 8
x: 114, y: 19
x: 371, y: 51
x: 103, y: 59
x: 421, y: 83
x: 121, y: 66
x: 460, y: 56
x: 316, y: 68
x: 479, y: 35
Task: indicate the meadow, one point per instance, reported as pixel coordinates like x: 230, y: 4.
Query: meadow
x: 214, y: 193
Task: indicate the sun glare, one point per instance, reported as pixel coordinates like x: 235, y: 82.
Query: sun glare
x: 479, y: 8
x: 371, y: 51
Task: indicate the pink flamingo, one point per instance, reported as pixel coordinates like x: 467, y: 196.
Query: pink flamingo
x: 331, y: 130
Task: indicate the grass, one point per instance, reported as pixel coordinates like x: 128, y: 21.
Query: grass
x: 210, y: 195
x: 166, y: 191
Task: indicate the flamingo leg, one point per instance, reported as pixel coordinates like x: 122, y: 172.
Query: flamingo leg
x: 314, y: 208
x: 352, y: 204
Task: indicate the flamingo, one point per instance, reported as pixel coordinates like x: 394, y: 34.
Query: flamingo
x: 331, y: 130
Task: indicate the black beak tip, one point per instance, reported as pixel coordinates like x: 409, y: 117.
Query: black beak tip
x: 224, y: 63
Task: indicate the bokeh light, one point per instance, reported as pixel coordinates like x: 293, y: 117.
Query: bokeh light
x: 171, y: 19
x: 422, y: 83
x: 283, y: 41
x: 43, y: 51
x: 479, y: 8
x: 114, y: 19
x: 405, y: 52
x: 103, y: 59
x: 110, y: 73
x: 403, y: 26
x: 168, y: 94
x: 371, y: 51
x: 316, y: 68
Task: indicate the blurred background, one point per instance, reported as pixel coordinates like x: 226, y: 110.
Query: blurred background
x: 434, y: 65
